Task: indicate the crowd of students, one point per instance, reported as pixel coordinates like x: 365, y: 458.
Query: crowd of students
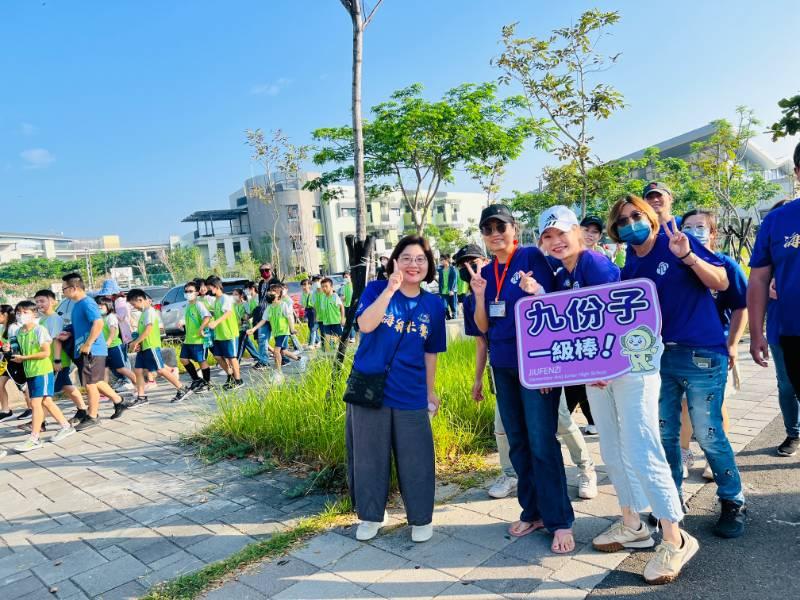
x: 644, y: 420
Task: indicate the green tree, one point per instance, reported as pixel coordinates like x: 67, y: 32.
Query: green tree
x: 446, y: 239
x: 555, y: 74
x: 789, y: 123
x: 417, y: 145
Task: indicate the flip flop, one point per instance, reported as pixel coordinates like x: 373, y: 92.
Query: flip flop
x: 558, y: 537
x: 529, y: 529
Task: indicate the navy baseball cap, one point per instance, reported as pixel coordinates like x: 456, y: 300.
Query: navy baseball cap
x: 593, y: 220
x: 467, y: 252
x: 496, y: 211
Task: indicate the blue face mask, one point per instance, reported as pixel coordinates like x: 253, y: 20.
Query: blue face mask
x: 635, y: 233
x: 702, y: 234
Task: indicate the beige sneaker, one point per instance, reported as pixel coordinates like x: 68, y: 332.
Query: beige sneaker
x: 666, y: 565
x: 619, y: 536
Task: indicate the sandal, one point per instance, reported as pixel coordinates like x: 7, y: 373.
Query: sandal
x: 528, y: 528
x: 563, y: 541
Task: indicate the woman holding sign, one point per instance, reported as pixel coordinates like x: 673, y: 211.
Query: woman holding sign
x: 695, y: 359
x: 626, y: 414
x: 530, y: 417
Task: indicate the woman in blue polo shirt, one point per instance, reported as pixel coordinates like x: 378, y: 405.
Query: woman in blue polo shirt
x: 626, y: 414
x: 530, y: 417
x: 402, y: 329
x: 695, y: 359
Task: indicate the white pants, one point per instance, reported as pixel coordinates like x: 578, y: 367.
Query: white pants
x: 626, y: 415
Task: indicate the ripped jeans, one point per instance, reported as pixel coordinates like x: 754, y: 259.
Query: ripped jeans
x: 701, y: 374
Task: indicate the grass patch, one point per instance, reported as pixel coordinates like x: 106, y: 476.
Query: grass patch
x: 188, y: 587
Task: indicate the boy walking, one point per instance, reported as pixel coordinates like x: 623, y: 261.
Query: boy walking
x: 226, y: 333
x: 447, y: 285
x: 307, y: 301
x: 195, y: 341
x: 330, y: 313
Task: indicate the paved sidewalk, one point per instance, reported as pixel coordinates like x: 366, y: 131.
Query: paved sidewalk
x: 471, y: 555
x: 112, y: 511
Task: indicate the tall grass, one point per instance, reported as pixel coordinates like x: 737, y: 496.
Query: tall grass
x: 303, y: 419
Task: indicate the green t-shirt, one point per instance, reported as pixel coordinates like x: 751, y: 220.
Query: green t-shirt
x: 242, y: 314
x: 445, y: 279
x: 153, y: 339
x: 307, y: 299
x: 54, y: 323
x: 278, y: 315
x: 347, y: 292
x: 228, y: 328
x: 328, y: 311
x: 31, y: 342
x: 111, y: 322
x: 193, y: 318
x: 463, y: 287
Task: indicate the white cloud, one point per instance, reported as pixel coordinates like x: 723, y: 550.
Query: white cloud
x: 270, y: 89
x: 37, y: 158
x: 28, y: 129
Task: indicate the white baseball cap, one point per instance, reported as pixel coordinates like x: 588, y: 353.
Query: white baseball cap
x: 559, y: 217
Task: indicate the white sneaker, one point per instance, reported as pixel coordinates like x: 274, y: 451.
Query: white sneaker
x: 590, y: 430
x: 666, y: 565
x: 619, y: 536
x: 708, y: 473
x: 369, y: 529
x: 63, y: 433
x: 28, y: 445
x: 587, y: 484
x: 503, y: 487
x: 421, y: 533
x: 687, y: 458
x: 125, y: 386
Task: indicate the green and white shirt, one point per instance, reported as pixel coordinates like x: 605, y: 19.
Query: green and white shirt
x: 111, y: 322
x: 278, y: 314
x: 54, y: 324
x: 192, y: 320
x: 228, y: 328
x: 153, y: 339
x: 31, y: 342
x: 328, y: 311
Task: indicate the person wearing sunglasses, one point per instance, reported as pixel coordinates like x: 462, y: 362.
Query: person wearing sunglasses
x: 530, y: 417
x: 695, y: 349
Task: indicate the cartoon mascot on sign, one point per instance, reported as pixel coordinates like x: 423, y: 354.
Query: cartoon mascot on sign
x: 640, y: 345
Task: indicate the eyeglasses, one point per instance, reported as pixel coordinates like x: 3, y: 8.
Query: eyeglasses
x: 417, y: 260
x: 635, y: 216
x: 69, y: 287
x: 489, y: 229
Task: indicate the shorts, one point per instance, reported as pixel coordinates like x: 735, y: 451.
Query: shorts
x: 196, y: 352
x: 118, y: 358
x: 335, y: 329
x: 91, y: 369
x: 41, y: 386
x: 226, y: 348
x: 150, y: 359
x: 282, y: 341
x: 63, y: 379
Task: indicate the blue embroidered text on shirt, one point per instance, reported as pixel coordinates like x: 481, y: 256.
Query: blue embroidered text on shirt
x: 515, y: 278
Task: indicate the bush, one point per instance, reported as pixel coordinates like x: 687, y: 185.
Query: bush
x: 303, y: 419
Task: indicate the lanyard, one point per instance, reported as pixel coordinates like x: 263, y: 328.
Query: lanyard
x: 497, y: 276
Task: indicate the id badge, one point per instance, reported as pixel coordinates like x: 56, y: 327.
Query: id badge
x: 497, y: 309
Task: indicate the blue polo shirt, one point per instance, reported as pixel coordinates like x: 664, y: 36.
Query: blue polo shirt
x: 592, y: 268
x: 688, y: 312
x: 735, y: 297
x: 778, y: 246
x: 423, y: 318
x: 470, y: 328
x: 503, y: 330
x: 84, y: 313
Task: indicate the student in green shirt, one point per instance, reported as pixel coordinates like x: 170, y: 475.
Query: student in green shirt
x: 196, y: 339
x: 226, y: 333
x: 330, y: 312
x: 307, y: 301
x: 117, y: 360
x: 244, y: 312
x: 281, y: 320
x: 34, y: 354
x: 147, y: 346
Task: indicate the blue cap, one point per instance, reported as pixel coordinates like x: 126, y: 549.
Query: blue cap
x: 110, y: 288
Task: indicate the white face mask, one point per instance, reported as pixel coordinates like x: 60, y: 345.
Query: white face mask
x: 25, y: 319
x: 190, y: 295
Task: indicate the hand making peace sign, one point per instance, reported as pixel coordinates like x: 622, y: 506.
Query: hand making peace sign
x: 476, y: 282
x: 678, y: 241
x: 395, y: 279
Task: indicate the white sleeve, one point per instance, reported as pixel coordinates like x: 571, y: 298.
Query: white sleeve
x: 43, y: 336
x: 287, y: 310
x: 112, y: 321
x: 149, y: 316
x: 203, y: 310
x: 227, y: 303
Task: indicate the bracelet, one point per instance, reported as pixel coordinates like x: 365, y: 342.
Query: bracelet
x: 58, y: 362
x: 685, y: 255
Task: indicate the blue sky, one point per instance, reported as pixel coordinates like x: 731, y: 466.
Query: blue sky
x: 124, y: 117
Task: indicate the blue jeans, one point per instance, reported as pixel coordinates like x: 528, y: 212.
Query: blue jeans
x: 246, y: 343
x: 264, y: 333
x: 313, y: 327
x: 530, y: 419
x: 450, y: 304
x: 789, y: 403
x: 701, y: 374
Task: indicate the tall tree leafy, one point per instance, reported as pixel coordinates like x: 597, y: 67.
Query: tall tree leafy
x: 555, y: 74
x: 789, y: 124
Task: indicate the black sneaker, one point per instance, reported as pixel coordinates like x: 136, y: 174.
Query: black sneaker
x: 260, y: 366
x: 25, y: 414
x: 88, y: 423
x: 138, y: 401
x: 80, y: 415
x: 787, y: 448
x: 6, y: 416
x: 196, y: 384
x: 731, y: 520
x: 119, y: 408
x: 181, y: 394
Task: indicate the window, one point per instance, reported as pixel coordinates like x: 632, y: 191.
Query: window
x: 292, y: 212
x: 347, y: 211
x: 237, y: 248
x: 321, y: 242
x: 315, y: 211
x: 241, y: 201
x: 440, y: 209
x: 174, y: 295
x: 395, y: 213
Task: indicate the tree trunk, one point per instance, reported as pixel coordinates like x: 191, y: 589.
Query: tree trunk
x: 358, y: 131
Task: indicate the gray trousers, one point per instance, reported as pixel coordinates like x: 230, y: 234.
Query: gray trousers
x: 373, y: 436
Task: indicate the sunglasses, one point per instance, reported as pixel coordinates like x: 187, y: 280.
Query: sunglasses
x: 489, y: 228
x: 635, y: 216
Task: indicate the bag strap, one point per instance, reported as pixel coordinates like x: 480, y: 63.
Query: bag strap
x: 405, y: 329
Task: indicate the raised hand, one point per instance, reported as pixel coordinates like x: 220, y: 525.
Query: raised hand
x: 528, y: 284
x: 476, y: 282
x: 678, y: 241
x: 395, y: 279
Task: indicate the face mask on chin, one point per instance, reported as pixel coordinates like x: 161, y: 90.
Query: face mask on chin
x: 635, y: 233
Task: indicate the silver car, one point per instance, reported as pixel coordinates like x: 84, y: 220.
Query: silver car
x: 173, y: 304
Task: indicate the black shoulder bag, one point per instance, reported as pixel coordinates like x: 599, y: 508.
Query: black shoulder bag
x: 366, y: 389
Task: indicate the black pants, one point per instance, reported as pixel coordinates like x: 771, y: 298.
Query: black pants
x: 576, y: 394
x: 790, y: 344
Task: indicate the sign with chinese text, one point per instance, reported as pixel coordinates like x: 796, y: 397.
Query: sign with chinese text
x: 588, y: 334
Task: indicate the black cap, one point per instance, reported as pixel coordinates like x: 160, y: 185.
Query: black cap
x: 496, y: 211
x: 655, y: 186
x: 468, y: 251
x: 593, y: 220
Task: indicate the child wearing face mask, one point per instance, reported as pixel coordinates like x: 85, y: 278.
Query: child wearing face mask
x: 196, y: 340
x: 117, y: 354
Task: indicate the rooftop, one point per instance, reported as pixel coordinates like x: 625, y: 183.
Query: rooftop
x: 226, y: 214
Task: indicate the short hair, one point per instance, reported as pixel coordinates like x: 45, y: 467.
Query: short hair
x: 74, y: 280
x: 239, y: 291
x: 711, y: 219
x: 199, y: 282
x: 136, y: 294
x: 305, y: 281
x: 315, y: 278
x: 444, y: 256
x: 276, y: 286
x: 326, y: 280
x: 797, y: 156
x: 45, y: 294
x: 270, y: 297
x: 413, y: 240
x: 191, y: 284
x: 250, y: 285
x: 214, y: 281
x: 641, y: 205
x: 102, y: 301
x: 25, y: 305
